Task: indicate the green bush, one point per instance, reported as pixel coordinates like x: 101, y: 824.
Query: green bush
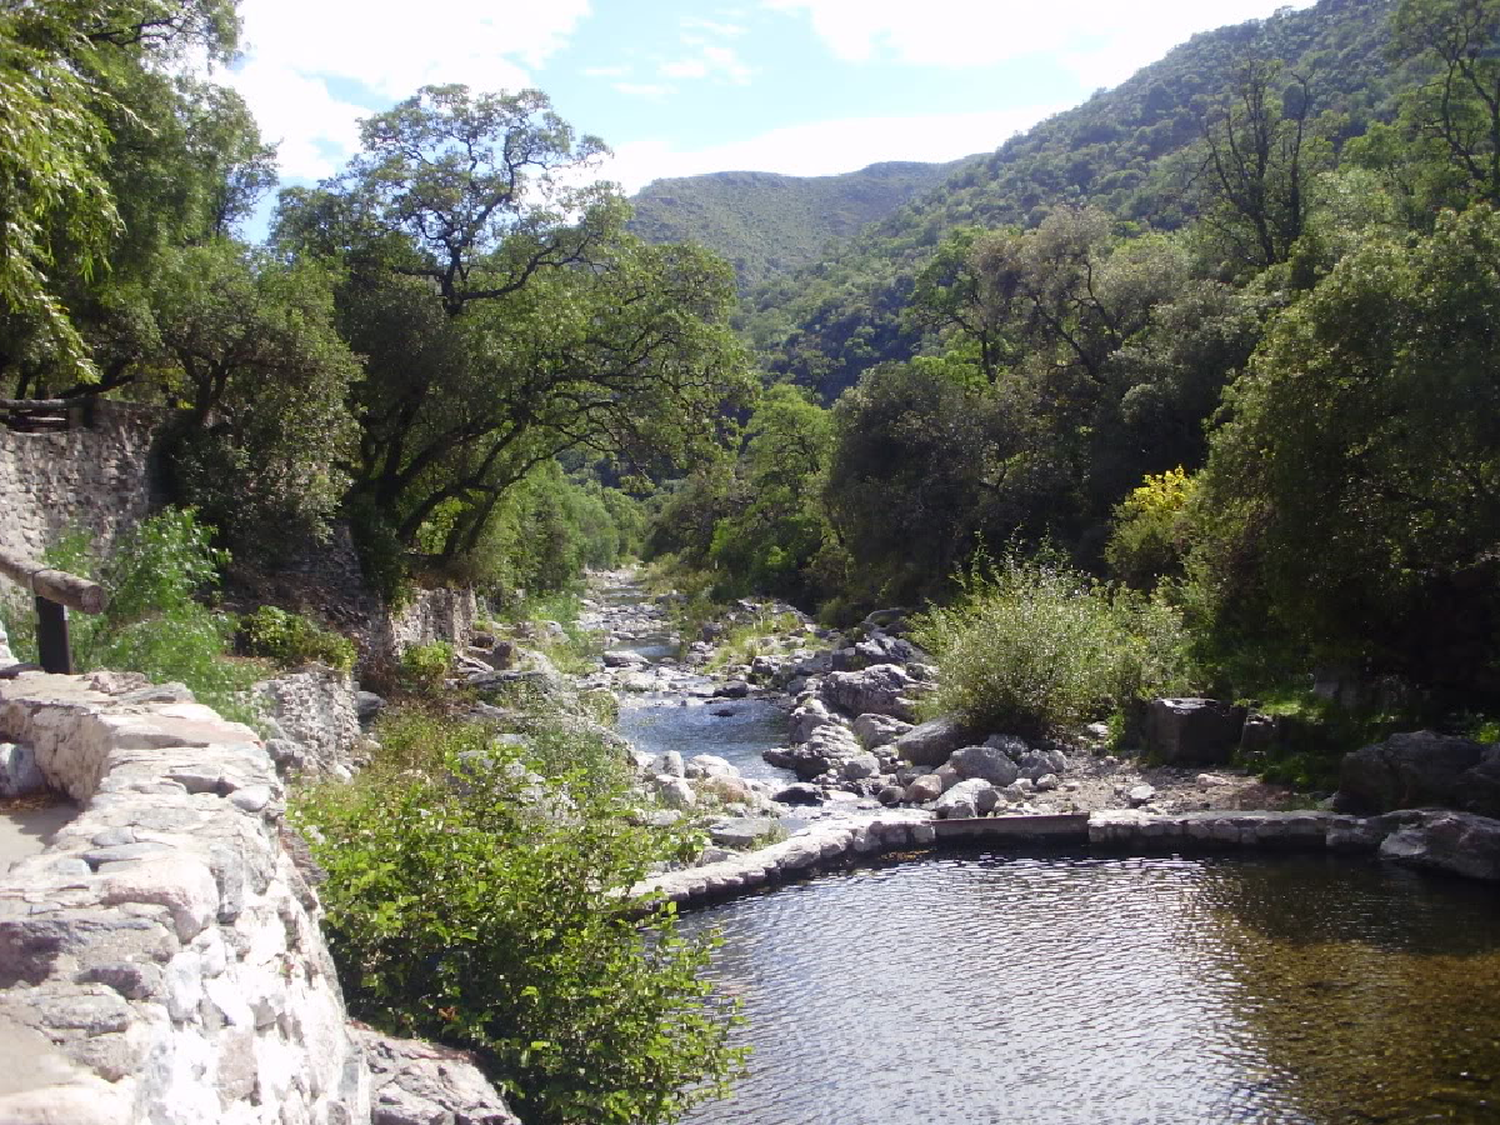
x: 154, y: 624
x: 459, y: 908
x: 1034, y: 646
x: 424, y: 668
x: 291, y: 639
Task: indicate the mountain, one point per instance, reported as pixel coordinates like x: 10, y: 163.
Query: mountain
x: 1130, y: 150
x: 768, y: 224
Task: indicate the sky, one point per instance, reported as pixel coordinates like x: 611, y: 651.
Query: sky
x: 683, y: 87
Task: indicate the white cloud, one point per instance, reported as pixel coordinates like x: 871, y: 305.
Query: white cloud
x: 606, y: 71
x: 713, y: 62
x: 293, y: 48
x: 727, y: 30
x: 648, y: 90
x: 826, y: 148
x: 986, y: 32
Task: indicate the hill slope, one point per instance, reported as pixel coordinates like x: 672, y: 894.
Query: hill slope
x: 768, y: 224
x: 1128, y: 150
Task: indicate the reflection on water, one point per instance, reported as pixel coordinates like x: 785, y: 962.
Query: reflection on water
x: 1060, y: 990
x: 738, y: 735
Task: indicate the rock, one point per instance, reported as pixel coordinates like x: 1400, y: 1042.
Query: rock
x: 734, y: 689
x: 860, y: 766
x: 808, y: 717
x: 1013, y: 746
x: 880, y: 688
x: 1141, y: 795
x: 970, y: 798
x: 623, y: 658
x: 1418, y: 769
x: 743, y: 831
x: 874, y: 730
x: 986, y: 762
x: 1193, y: 732
x: 19, y: 773
x: 1047, y: 782
x: 708, y: 765
x: 891, y: 795
x: 800, y: 793
x: 948, y: 776
x: 670, y: 763
x: 1039, y: 762
x: 367, y: 705
x: 927, y: 787
x: 416, y: 1083
x: 932, y: 742
x: 675, y: 792
x: 1458, y: 842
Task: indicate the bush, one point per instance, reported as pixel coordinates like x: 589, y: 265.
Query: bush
x: 291, y: 639
x: 153, y: 624
x: 1150, y: 532
x: 1035, y: 646
x: 424, y: 668
x: 459, y: 908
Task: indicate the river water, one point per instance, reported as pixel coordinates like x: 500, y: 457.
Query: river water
x: 1096, y: 989
x: 1093, y: 990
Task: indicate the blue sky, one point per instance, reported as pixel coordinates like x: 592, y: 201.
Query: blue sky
x: 680, y: 87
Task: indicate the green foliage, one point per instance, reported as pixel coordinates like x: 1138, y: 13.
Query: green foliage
x: 473, y: 902
x: 291, y: 639
x: 424, y: 668
x: 1350, y: 510
x: 154, y: 623
x: 746, y: 640
x: 767, y: 224
x: 1150, y: 532
x: 1035, y: 646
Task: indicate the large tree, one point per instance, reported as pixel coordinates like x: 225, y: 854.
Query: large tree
x: 504, y: 314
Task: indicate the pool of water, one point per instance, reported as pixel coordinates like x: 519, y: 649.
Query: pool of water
x: 750, y: 726
x: 1088, y: 990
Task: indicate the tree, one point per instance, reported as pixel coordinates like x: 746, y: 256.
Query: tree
x: 1260, y: 152
x: 505, y: 318
x: 1457, y: 110
x: 61, y: 65
x: 248, y: 345
x: 1351, y: 510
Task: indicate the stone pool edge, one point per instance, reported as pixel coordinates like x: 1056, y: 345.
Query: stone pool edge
x: 1443, y: 840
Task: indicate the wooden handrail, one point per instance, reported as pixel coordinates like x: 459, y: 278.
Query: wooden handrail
x: 55, y: 585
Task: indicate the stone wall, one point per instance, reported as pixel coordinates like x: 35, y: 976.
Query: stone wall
x: 434, y: 615
x: 99, y: 475
x: 161, y: 961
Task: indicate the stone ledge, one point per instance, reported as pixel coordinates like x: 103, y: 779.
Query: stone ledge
x: 161, y: 961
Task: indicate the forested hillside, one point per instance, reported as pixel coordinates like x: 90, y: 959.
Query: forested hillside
x: 767, y: 224
x: 1132, y: 151
x: 1214, y: 351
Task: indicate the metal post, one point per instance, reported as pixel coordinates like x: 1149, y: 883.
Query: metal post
x: 52, y: 637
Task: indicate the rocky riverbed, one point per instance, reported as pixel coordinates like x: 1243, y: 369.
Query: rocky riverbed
x: 852, y: 743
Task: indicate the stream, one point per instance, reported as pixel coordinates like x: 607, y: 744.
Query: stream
x: 1068, y: 988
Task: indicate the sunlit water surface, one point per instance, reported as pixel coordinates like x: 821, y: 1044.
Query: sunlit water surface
x: 1072, y: 989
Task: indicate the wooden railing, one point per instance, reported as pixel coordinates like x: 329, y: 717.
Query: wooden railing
x: 55, y: 592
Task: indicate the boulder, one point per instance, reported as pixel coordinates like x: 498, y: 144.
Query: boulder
x: 860, y: 766
x: 1141, y: 795
x: 880, y: 688
x: 1418, y: 769
x: 802, y: 793
x: 742, y: 831
x: 807, y: 718
x: 624, y: 658
x: 1457, y: 842
x: 1193, y: 732
x: 931, y: 743
x: 670, y: 763
x: 891, y: 795
x: 878, y: 730
x: 734, y: 689
x: 415, y: 1083
x: 973, y: 797
x: 985, y: 762
x: 675, y: 792
x: 926, y: 787
x: 1039, y: 762
x: 708, y: 765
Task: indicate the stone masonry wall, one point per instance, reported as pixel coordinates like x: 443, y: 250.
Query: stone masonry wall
x: 98, y: 475
x: 161, y: 962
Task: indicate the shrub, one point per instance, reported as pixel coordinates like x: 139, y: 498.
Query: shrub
x: 154, y: 624
x: 1034, y: 646
x: 464, y: 911
x: 291, y: 639
x: 1149, y: 537
x: 425, y: 667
